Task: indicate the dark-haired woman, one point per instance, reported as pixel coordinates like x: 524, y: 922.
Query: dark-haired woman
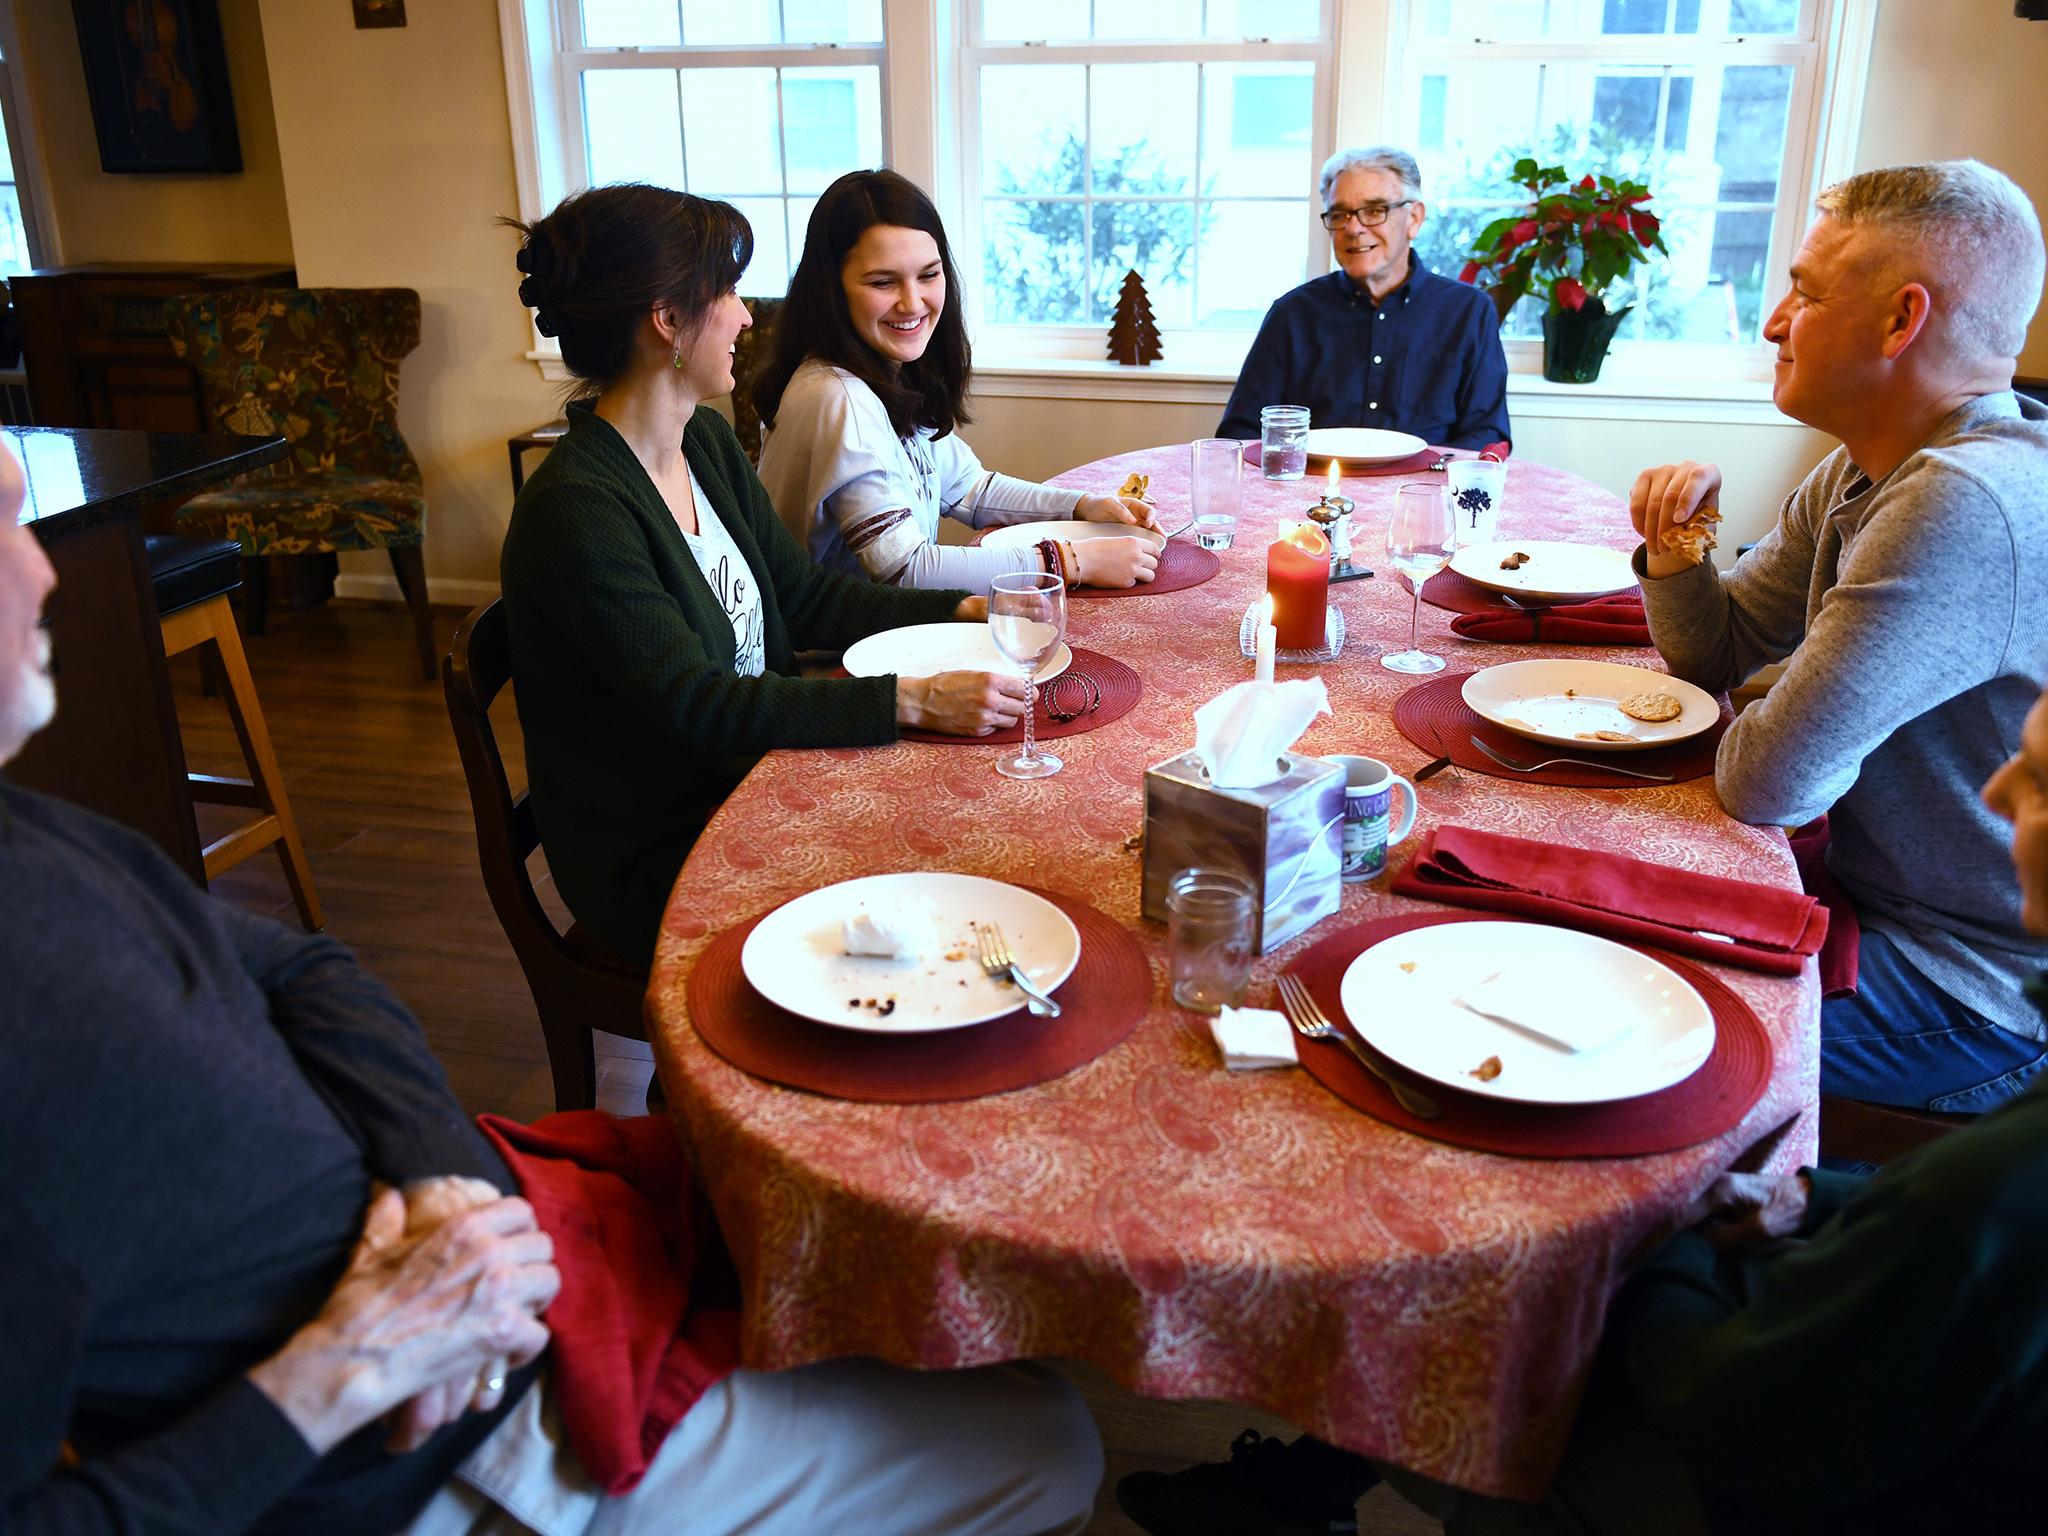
x: 861, y: 394
x: 655, y: 602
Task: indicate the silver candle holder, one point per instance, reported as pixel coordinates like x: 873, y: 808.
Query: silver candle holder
x: 1332, y: 513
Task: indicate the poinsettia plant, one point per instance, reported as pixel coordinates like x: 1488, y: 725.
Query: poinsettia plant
x: 1571, y: 242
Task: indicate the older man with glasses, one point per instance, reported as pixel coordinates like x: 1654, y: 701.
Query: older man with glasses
x: 1382, y: 341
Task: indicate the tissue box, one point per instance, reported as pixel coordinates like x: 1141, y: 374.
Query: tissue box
x: 1286, y: 837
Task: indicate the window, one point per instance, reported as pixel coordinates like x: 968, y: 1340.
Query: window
x: 1177, y: 138
x: 1711, y: 102
x: 762, y: 103
x: 18, y: 245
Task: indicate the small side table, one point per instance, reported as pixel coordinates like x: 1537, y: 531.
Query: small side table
x: 539, y: 437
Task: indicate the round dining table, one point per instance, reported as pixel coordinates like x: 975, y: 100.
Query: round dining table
x: 1190, y: 1231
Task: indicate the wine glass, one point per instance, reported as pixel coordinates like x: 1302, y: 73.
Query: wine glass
x: 1027, y: 615
x: 1419, y: 542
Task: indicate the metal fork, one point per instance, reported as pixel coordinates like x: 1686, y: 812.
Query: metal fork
x: 1310, y: 1020
x: 1575, y: 762
x: 997, y: 960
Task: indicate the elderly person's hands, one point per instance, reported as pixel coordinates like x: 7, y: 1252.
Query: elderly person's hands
x: 1131, y: 510
x: 961, y: 703
x: 414, y: 1312
x: 1741, y: 1210
x: 1664, y: 497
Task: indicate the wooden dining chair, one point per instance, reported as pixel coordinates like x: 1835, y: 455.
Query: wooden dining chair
x: 192, y: 579
x: 577, y: 985
x: 1876, y: 1133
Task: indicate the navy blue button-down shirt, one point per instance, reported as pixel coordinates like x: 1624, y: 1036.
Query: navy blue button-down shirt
x: 1426, y: 359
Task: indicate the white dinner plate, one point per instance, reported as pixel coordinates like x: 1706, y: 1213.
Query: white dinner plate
x: 1563, y: 701
x: 1401, y: 996
x: 1362, y: 445
x: 925, y: 650
x: 1553, y: 571
x: 796, y: 957
x: 1024, y: 535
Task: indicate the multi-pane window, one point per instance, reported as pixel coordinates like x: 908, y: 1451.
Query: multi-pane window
x: 14, y: 242
x: 1177, y: 138
x: 1707, y: 101
x: 761, y: 103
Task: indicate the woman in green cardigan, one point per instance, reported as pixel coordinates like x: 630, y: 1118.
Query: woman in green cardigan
x: 655, y: 601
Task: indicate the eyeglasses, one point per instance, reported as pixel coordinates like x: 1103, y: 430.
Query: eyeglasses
x: 1371, y: 216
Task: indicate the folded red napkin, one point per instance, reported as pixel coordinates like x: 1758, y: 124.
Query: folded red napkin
x: 1840, y: 954
x: 634, y: 1346
x: 1616, y: 620
x: 1619, y: 897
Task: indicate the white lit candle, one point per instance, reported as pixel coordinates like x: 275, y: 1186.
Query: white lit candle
x: 1268, y: 638
x: 1330, y: 494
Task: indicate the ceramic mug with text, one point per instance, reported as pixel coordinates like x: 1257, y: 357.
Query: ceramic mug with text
x: 1369, y: 828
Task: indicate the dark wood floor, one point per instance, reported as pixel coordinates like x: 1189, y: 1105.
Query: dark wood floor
x: 379, y: 795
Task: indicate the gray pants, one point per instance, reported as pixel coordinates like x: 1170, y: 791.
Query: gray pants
x: 845, y: 1445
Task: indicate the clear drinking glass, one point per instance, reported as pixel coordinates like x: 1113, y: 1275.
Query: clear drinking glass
x: 1419, y: 543
x: 1283, y: 441
x: 1215, y: 488
x: 1209, y: 934
x: 1215, y: 530
x: 1027, y: 615
x: 1473, y: 488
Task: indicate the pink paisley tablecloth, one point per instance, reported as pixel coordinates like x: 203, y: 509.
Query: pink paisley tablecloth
x: 1196, y: 1233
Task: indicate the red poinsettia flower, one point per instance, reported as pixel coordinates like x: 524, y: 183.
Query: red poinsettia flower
x: 1470, y: 273
x: 1571, y: 293
x: 1645, y: 226
x: 1520, y: 234
x: 1586, y: 185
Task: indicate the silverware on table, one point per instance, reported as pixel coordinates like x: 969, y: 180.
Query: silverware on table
x: 1435, y: 765
x: 997, y: 960
x: 1310, y: 1020
x: 1575, y: 762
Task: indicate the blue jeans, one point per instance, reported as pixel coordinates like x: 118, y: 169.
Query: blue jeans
x: 1900, y: 1040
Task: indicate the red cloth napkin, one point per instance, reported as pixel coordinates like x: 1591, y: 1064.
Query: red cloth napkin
x: 631, y: 1354
x: 1616, y: 620
x: 1839, y: 955
x: 1618, y: 897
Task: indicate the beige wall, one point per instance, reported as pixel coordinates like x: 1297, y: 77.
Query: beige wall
x: 98, y: 217
x: 1955, y: 78
x: 397, y: 158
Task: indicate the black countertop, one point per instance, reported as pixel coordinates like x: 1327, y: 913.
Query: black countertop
x: 79, y: 477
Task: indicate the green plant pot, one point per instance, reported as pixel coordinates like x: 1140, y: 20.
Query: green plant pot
x: 1575, y: 341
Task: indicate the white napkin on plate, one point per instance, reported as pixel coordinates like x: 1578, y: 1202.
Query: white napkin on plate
x: 1552, y: 1005
x: 1254, y: 1037
x: 1240, y: 734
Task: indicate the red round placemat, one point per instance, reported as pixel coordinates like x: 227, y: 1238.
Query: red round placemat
x: 1459, y: 594
x: 1437, y: 719
x: 1713, y: 1100
x: 1100, y: 1004
x: 1416, y: 463
x: 1120, y: 693
x: 1183, y: 565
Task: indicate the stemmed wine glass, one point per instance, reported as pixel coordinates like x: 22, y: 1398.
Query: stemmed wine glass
x: 1419, y: 542
x: 1027, y: 615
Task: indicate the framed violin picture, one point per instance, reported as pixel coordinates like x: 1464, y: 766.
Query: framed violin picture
x: 157, y: 75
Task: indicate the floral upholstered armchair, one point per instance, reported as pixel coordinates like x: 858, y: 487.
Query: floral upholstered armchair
x: 319, y: 365
x: 749, y: 352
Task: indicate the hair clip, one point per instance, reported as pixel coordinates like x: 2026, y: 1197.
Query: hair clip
x: 1089, y: 701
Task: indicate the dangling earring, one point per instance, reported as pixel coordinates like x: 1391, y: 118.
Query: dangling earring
x: 679, y: 354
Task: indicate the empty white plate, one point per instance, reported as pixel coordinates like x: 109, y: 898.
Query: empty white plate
x: 1024, y: 535
x: 1401, y: 996
x: 1362, y: 445
x: 796, y: 956
x: 925, y: 650
x: 1553, y: 571
x: 1566, y: 701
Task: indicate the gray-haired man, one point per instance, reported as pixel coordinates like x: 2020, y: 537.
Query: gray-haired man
x: 1907, y: 580
x: 1382, y: 341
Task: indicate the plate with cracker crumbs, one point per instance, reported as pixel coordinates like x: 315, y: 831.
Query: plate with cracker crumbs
x: 1361, y: 446
x: 1545, y: 570
x: 1027, y: 535
x: 1590, y: 706
x: 896, y: 954
x: 1528, y: 1012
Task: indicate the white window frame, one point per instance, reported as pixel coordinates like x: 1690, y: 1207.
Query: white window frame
x: 926, y: 74
x: 1194, y: 351
x: 31, y: 175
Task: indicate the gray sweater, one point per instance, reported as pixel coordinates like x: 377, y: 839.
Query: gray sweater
x: 1918, y: 610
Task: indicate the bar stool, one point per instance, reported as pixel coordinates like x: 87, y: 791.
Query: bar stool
x: 192, y: 578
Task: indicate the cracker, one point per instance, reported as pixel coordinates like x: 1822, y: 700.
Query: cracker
x: 1137, y: 485
x: 1487, y: 1070
x: 1694, y: 537
x: 1603, y: 736
x: 1652, y: 707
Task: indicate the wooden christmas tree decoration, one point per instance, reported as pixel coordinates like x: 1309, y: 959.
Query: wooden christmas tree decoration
x: 1133, y: 333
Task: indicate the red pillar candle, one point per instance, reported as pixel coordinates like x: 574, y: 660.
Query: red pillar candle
x: 1298, y: 582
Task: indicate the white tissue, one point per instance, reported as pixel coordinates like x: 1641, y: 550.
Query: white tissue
x: 1240, y: 734
x: 1557, y: 1007
x: 1253, y: 1037
x: 899, y: 930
